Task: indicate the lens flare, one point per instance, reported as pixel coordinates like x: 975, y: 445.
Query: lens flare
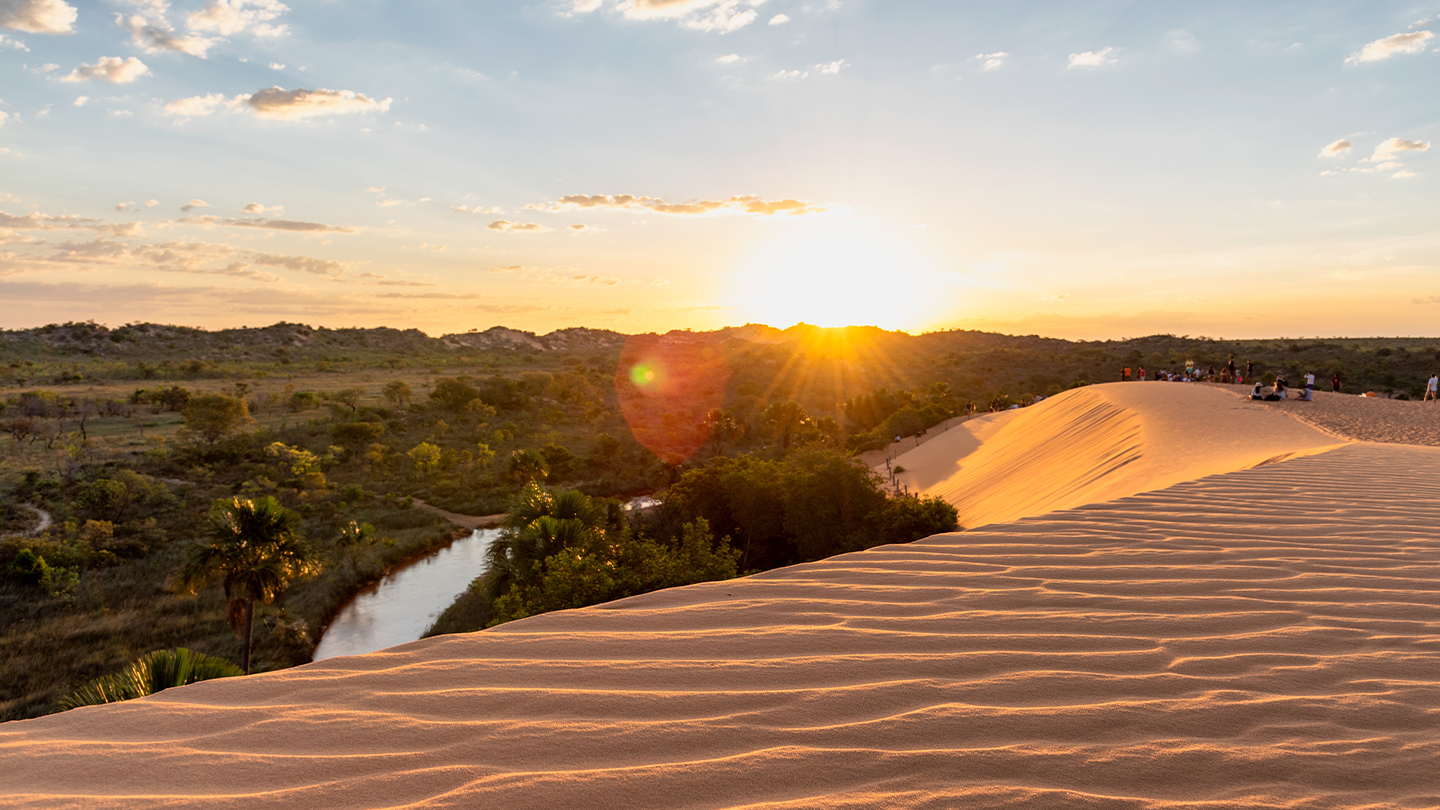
x: 666, y: 385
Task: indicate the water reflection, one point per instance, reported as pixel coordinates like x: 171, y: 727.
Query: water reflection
x: 401, y: 607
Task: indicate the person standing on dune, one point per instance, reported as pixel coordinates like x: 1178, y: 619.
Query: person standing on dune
x: 1309, y: 386
x: 1335, y: 383
x: 1431, y: 387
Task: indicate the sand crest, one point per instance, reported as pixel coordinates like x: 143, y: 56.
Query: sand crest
x: 1097, y: 444
x: 1263, y: 638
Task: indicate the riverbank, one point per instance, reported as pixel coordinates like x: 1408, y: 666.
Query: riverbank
x: 471, y: 522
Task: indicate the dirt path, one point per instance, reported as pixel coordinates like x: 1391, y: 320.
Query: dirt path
x: 45, y: 522
x: 471, y: 522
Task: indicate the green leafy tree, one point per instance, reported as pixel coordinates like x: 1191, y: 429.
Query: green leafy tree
x: 787, y: 418
x: 355, y: 435
x: 212, y: 417
x: 453, y: 394
x: 528, y: 466
x: 255, y: 550
x: 602, y: 567
x: 155, y: 672
x: 397, y: 393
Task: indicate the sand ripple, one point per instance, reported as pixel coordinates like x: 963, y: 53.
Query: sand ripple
x: 1268, y: 638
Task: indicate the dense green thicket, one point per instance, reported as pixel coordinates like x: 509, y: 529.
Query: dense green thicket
x: 727, y: 516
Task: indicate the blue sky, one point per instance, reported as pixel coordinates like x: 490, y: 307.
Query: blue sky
x: 1072, y: 169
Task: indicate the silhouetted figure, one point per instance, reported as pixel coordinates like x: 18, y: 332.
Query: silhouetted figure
x: 1335, y: 383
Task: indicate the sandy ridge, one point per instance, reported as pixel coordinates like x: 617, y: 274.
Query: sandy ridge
x: 1263, y: 638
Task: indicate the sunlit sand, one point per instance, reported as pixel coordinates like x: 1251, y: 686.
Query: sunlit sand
x: 1177, y: 599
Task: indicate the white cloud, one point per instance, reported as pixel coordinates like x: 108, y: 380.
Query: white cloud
x: 516, y: 227
x: 1401, y: 175
x: 3, y: 116
x: 299, y: 103
x: 376, y: 189
x: 1390, y: 148
x: 791, y: 74
x: 831, y: 68
x: 779, y: 19
x: 195, y: 106
x: 151, y: 203
x: 227, y: 17
x: 120, y: 114
x: 722, y: 16
x: 465, y: 209
x: 193, y: 204
x: 257, y: 208
x: 6, y: 42
x: 730, y: 59
x: 1104, y: 56
x: 304, y: 264
x: 276, y: 66
x: 81, y: 101
x: 38, y: 16
x: 111, y: 69
x: 1412, y: 42
x: 1337, y: 148
x: 155, y: 35
x: 992, y: 61
x: 749, y: 204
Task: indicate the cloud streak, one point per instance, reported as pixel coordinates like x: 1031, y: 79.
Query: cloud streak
x: 1392, y: 148
x: 749, y: 204
x: 292, y: 226
x: 717, y: 16
x: 1395, y: 45
x: 291, y: 105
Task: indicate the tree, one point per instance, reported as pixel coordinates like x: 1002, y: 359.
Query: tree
x: 397, y: 393
x: 153, y: 673
x: 722, y: 428
x: 453, y: 394
x: 214, y: 416
x: 350, y: 397
x: 787, y: 417
x: 255, y: 550
x: 527, y: 465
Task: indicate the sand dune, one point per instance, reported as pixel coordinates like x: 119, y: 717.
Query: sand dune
x: 1097, y: 444
x: 1263, y: 638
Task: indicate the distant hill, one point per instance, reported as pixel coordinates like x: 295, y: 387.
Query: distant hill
x: 820, y: 367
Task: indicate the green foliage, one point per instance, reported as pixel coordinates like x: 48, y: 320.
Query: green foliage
x: 615, y: 565
x: 255, y: 550
x: 28, y: 567
x: 453, y: 394
x: 812, y: 504
x: 149, y: 675
x: 212, y: 417
x: 355, y: 435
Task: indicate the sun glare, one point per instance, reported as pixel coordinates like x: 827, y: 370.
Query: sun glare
x: 839, y: 277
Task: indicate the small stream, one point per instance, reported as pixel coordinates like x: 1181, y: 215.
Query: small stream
x: 401, y: 607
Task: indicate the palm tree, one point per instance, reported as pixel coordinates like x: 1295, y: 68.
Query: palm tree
x: 256, y: 551
x: 153, y: 673
x: 539, y: 525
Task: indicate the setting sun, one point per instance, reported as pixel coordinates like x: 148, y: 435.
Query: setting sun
x: 839, y: 276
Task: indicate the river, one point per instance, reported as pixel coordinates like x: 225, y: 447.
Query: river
x: 401, y: 607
